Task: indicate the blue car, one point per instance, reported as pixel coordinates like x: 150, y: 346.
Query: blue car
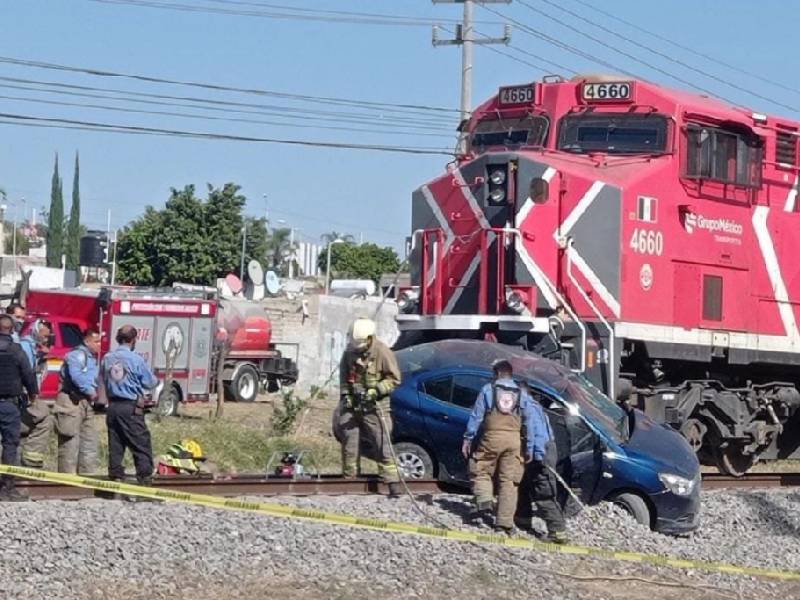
x: 605, y: 453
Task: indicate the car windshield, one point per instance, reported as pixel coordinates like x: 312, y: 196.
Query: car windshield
x: 529, y: 130
x: 593, y: 405
x: 597, y: 408
x: 613, y: 133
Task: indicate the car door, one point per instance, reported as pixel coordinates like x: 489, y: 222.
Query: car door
x: 580, y: 459
x: 446, y: 400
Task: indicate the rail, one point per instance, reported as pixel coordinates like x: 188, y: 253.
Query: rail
x: 332, y: 485
x: 244, y: 485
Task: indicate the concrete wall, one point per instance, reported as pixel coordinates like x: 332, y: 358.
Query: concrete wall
x: 318, y: 343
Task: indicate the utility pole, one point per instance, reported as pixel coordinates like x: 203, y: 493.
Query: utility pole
x: 465, y: 37
x: 244, y: 246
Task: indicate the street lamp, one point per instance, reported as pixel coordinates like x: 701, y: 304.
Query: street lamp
x: 328, y: 269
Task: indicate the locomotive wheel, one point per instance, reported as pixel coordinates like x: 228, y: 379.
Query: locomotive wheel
x: 731, y: 461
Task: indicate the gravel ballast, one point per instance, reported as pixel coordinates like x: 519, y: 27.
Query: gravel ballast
x: 110, y: 549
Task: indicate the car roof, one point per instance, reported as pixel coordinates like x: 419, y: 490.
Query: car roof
x: 480, y: 354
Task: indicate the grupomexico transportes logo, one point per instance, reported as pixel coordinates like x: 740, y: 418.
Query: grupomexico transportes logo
x: 692, y: 221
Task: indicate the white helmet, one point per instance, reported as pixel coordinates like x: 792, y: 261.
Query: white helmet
x: 362, y: 330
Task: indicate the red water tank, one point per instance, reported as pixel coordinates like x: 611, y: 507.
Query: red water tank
x: 254, y: 334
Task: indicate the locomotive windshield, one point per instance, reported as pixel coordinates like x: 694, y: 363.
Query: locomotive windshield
x: 614, y: 133
x: 529, y: 130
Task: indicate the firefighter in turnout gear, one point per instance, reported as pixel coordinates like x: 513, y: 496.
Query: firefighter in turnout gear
x: 127, y: 377
x: 501, y: 409
x: 15, y: 375
x: 369, y: 374
x: 37, y: 421
x: 539, y: 485
x: 74, y: 408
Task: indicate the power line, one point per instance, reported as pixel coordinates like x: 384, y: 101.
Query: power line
x: 218, y: 87
x: 29, y: 120
x: 393, y: 122
x: 662, y: 55
x: 688, y: 49
x: 627, y: 55
x: 561, y: 45
x: 212, y: 118
x: 302, y: 14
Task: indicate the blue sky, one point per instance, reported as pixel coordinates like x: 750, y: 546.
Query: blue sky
x: 317, y: 190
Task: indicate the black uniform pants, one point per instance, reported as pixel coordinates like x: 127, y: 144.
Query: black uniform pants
x: 127, y: 429
x: 539, y: 485
x: 10, y: 422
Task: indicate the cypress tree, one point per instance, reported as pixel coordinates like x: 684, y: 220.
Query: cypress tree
x: 73, y: 246
x: 55, y: 224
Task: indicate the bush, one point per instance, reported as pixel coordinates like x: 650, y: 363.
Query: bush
x: 285, y: 414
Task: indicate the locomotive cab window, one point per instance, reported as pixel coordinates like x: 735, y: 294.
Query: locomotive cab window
x: 723, y: 155
x: 494, y: 131
x: 613, y: 133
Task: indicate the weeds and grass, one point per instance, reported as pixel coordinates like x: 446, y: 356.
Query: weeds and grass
x: 242, y: 441
x: 284, y: 416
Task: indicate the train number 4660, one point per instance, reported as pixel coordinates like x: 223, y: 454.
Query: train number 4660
x: 647, y: 241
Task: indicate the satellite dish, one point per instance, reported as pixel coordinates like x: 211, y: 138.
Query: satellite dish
x: 234, y: 283
x: 258, y: 292
x: 255, y: 272
x: 272, y: 283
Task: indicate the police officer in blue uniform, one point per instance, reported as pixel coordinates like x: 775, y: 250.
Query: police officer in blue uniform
x: 15, y: 374
x: 127, y: 377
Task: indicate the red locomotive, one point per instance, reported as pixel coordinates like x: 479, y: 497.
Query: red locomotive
x: 642, y: 235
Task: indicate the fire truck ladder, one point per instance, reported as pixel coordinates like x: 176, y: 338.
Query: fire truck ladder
x: 612, y: 384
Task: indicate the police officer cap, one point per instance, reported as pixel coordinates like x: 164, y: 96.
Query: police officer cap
x: 502, y: 366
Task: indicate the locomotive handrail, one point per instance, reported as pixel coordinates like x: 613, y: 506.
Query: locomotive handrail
x: 611, y: 359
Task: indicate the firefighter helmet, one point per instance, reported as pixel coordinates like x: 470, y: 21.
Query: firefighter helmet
x: 362, y: 330
x: 194, y: 447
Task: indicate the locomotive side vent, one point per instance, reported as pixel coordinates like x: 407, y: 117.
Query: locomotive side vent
x: 786, y: 147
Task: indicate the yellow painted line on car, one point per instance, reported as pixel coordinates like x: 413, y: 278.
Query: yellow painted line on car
x: 291, y: 512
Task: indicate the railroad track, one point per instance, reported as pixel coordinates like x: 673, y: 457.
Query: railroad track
x: 331, y: 485
x: 244, y: 485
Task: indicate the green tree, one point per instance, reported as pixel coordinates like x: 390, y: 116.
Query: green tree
x: 365, y: 261
x: 73, y: 245
x: 55, y: 225
x: 191, y: 240
x: 279, y: 249
x: 22, y: 245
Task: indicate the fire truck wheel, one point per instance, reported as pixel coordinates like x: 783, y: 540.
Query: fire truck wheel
x: 244, y: 387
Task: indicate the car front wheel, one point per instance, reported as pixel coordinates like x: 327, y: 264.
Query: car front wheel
x: 635, y: 506
x: 413, y: 461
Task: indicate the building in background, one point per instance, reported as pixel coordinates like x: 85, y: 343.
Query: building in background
x: 307, y: 257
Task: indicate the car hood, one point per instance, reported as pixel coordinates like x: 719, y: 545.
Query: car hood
x: 651, y: 441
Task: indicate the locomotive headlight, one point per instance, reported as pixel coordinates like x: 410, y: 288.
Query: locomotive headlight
x: 680, y: 486
x: 515, y: 301
x: 497, y: 195
x: 498, y: 177
x: 407, y: 300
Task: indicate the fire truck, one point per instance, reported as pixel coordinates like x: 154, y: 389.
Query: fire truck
x: 181, y: 335
x: 646, y: 237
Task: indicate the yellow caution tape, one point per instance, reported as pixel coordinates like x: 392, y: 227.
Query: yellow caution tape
x: 291, y: 512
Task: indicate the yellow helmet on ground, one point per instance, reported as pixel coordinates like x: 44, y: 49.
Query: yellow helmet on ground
x: 194, y: 447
